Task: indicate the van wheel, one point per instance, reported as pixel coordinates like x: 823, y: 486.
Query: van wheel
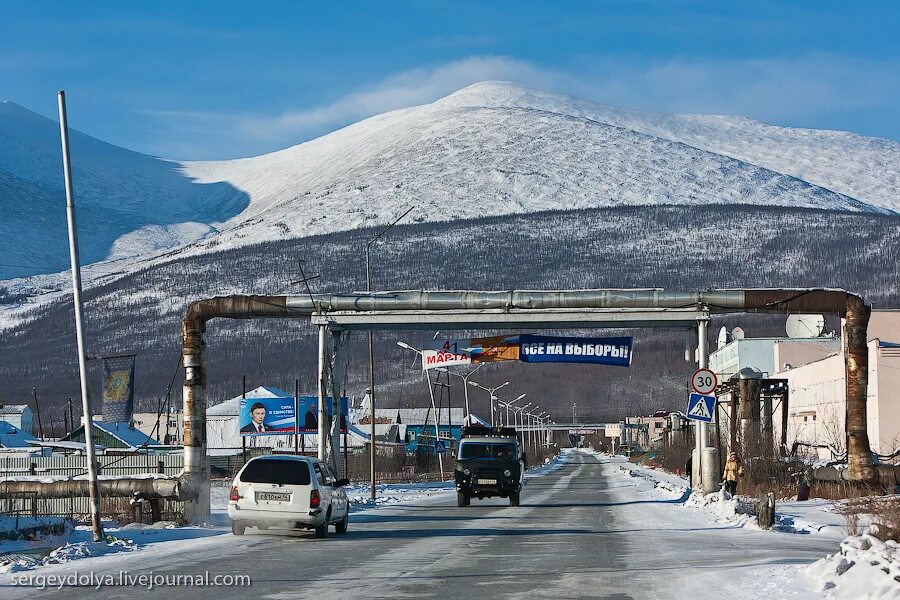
x: 514, y: 499
x: 237, y: 528
x: 462, y: 499
x: 341, y: 526
x: 322, y: 530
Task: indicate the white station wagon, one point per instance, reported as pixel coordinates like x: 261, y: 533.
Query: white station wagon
x: 288, y: 492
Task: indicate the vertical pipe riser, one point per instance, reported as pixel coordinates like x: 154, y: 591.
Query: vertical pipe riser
x: 859, y: 456
x: 193, y: 390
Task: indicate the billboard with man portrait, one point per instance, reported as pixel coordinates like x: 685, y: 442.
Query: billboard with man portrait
x: 275, y: 416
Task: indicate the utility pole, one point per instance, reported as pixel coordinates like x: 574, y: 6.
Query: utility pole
x: 369, y: 244
x: 93, y: 487
x: 37, y: 410
x: 71, y: 417
x: 243, y: 437
x: 297, y: 433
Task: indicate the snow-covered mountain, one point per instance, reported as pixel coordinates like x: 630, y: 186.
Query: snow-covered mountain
x: 117, y: 193
x: 490, y: 149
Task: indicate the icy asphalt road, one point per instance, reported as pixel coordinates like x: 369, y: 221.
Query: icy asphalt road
x: 583, y: 531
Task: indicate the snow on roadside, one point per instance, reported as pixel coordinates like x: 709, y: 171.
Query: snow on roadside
x: 865, y: 568
x: 68, y: 552
x: 812, y: 516
x: 394, y: 493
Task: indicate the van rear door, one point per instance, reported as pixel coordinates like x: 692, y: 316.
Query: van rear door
x: 276, y: 485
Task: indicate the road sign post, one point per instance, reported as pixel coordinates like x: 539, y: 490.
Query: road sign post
x: 700, y: 407
x: 704, y: 381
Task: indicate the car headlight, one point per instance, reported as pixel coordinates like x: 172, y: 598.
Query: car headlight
x: 467, y: 472
x: 507, y: 472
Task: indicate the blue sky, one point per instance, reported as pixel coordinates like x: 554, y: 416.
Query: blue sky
x: 203, y: 80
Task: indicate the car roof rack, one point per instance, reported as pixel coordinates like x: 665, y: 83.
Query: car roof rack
x: 482, y: 431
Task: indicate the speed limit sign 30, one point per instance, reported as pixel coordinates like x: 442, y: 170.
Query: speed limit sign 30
x: 704, y: 381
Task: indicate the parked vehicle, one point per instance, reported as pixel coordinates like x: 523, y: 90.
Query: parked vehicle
x: 288, y: 492
x: 489, y: 463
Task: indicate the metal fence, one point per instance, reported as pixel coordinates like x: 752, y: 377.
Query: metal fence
x: 74, y: 465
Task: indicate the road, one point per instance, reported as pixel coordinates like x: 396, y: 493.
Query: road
x: 583, y: 531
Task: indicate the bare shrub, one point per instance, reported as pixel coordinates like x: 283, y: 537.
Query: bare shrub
x: 882, y: 511
x: 673, y: 457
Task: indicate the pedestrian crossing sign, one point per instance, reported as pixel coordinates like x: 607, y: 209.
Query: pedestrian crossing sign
x: 701, y: 407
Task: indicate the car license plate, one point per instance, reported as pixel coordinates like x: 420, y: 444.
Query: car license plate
x: 272, y: 497
x: 486, y: 481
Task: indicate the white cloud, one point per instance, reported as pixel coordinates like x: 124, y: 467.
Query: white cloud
x: 410, y: 88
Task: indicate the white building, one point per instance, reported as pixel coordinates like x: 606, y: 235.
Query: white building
x: 769, y: 354
x: 17, y: 415
x: 817, y: 405
x: 155, y: 425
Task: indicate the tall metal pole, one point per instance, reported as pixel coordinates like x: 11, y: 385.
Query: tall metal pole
x: 93, y: 488
x: 322, y: 432
x: 369, y: 244
x: 297, y: 433
x: 371, y: 391
x: 436, y: 436
x: 466, y: 421
x: 703, y: 362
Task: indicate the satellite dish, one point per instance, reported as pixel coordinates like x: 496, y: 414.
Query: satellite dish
x: 804, y: 326
x: 723, y: 337
x: 737, y: 333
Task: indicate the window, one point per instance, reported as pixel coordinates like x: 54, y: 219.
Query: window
x: 323, y: 475
x: 283, y: 472
x: 332, y: 474
x: 470, y: 450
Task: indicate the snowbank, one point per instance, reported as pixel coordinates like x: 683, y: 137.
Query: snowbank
x: 68, y: 552
x: 865, y: 568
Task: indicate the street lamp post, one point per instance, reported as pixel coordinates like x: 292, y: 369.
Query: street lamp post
x: 544, y: 416
x: 532, y: 416
x: 521, y: 419
x: 369, y: 244
x: 465, y: 379
x: 510, y: 403
x: 492, y: 391
x: 433, y: 407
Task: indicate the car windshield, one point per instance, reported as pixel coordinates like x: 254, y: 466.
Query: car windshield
x: 285, y: 472
x: 469, y: 450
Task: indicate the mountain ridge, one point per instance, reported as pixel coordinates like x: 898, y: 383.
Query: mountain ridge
x: 490, y: 149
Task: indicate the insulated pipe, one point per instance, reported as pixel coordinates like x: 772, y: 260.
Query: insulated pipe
x: 856, y: 357
x: 155, y: 487
x: 831, y: 301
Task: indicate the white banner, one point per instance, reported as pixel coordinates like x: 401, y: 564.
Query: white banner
x: 446, y: 353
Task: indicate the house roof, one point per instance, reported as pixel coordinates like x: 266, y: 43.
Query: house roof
x: 13, y: 437
x: 127, y: 434
x: 13, y: 409
x: 417, y: 416
x: 232, y: 407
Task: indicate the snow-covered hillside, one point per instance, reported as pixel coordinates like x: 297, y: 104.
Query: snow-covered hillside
x: 497, y: 148
x: 490, y: 149
x: 117, y: 193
